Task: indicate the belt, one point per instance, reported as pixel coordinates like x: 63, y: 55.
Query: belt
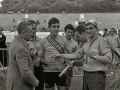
x: 95, y: 72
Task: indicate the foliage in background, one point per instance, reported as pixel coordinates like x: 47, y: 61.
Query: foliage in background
x: 58, y: 6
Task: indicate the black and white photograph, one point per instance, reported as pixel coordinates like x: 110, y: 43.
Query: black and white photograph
x: 59, y: 44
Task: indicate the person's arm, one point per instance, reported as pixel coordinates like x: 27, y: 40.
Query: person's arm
x: 102, y: 59
x: 76, y: 55
x: 40, y: 54
x: 23, y: 64
x: 106, y: 55
x: 67, y: 56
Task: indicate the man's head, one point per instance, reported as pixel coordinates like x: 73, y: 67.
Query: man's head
x: 54, y: 26
x: 69, y: 31
x: 112, y: 31
x: 80, y: 34
x: 105, y: 30
x: 34, y: 26
x: 25, y: 30
x: 91, y: 29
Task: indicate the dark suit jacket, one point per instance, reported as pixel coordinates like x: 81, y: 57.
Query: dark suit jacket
x: 3, y: 53
x: 20, y: 71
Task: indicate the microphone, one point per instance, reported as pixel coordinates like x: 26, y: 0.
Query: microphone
x: 66, y: 69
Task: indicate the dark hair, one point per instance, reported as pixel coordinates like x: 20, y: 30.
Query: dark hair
x: 22, y: 27
x: 69, y: 26
x: 32, y: 22
x: 113, y: 29
x: 53, y: 20
x: 80, y: 29
x: 105, y: 29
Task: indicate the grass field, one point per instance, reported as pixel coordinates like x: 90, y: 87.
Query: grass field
x: 107, y: 20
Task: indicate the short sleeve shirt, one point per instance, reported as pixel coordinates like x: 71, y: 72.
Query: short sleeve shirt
x: 47, y: 52
x: 99, y: 47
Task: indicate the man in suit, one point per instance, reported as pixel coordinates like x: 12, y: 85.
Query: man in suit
x: 20, y: 72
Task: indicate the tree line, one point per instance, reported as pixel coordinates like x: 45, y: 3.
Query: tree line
x: 59, y: 6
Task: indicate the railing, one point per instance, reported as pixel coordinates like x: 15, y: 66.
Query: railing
x: 4, y: 56
x: 3, y: 67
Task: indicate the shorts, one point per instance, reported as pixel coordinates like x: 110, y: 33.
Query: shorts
x: 51, y: 78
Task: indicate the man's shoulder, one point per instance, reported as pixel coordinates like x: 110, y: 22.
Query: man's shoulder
x: 15, y: 45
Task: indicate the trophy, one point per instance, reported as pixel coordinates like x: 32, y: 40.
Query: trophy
x: 66, y: 69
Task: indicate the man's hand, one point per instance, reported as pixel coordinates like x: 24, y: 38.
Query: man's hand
x: 57, y: 56
x: 36, y: 53
x: 74, y: 49
x: 91, y: 55
x: 46, y: 63
x: 37, y: 62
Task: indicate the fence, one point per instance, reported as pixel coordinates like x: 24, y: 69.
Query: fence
x: 3, y: 67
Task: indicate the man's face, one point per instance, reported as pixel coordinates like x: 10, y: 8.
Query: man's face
x: 34, y: 27
x: 28, y: 33
x: 112, y: 32
x: 54, y: 29
x: 69, y: 33
x: 91, y: 31
x: 105, y: 32
x: 79, y: 37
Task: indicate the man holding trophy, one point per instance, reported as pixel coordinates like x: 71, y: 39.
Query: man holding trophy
x: 97, y: 55
x: 51, y: 45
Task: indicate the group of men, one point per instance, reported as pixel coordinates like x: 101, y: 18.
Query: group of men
x: 30, y: 55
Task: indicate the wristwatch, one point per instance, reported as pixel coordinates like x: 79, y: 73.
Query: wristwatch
x: 94, y: 57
